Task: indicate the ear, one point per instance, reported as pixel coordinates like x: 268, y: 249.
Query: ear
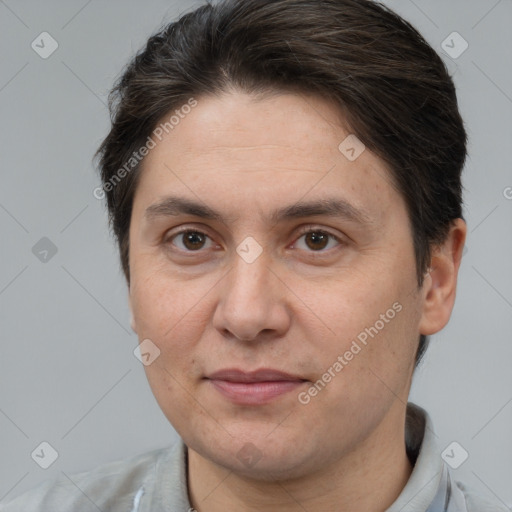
x: 440, y: 283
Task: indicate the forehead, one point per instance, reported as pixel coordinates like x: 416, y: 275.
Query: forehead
x: 263, y: 151
x: 239, y: 120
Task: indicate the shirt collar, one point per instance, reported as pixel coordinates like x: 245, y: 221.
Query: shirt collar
x: 430, y: 487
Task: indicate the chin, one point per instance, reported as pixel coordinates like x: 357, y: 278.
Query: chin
x: 263, y: 460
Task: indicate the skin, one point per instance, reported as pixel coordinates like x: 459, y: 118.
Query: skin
x: 296, y: 308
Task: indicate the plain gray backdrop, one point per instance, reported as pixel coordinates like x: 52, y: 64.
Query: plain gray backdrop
x: 68, y: 375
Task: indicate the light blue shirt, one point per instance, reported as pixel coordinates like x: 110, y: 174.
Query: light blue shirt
x: 157, y: 482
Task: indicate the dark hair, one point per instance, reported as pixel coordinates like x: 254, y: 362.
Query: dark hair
x: 393, y: 89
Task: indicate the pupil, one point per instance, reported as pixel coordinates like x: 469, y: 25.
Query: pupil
x: 317, y: 237
x: 193, y: 240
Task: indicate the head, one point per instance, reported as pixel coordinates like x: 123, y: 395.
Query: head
x: 236, y: 124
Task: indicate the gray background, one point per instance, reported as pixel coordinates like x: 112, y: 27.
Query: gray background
x: 68, y: 375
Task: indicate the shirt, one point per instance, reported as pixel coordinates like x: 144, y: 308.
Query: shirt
x: 156, y: 481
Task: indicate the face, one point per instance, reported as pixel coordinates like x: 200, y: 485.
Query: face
x: 257, y: 244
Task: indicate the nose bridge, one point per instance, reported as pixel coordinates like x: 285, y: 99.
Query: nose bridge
x: 249, y: 280
x: 250, y: 302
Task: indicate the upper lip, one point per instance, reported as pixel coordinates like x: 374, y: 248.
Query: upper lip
x: 261, y: 375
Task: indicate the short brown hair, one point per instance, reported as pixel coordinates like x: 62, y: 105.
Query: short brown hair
x: 392, y: 87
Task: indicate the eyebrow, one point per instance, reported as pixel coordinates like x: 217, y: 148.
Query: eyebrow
x: 330, y: 207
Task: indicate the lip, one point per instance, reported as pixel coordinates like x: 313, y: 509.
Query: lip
x: 261, y: 375
x: 253, y: 388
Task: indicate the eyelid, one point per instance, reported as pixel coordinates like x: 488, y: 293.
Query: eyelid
x: 314, y: 228
x: 184, y: 229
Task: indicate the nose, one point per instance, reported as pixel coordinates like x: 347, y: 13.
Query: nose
x: 252, y: 302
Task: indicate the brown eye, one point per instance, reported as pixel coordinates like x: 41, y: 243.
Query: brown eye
x: 316, y: 240
x: 189, y: 240
x: 193, y: 240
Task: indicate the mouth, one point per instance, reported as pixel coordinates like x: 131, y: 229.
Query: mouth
x: 254, y: 388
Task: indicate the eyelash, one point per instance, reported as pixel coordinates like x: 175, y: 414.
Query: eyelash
x: 303, y: 231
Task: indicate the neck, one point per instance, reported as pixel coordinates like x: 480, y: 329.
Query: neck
x: 370, y: 477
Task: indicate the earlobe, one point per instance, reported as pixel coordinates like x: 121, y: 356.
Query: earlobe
x: 441, y: 282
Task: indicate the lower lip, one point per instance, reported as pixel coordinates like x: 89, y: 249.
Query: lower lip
x: 254, y: 393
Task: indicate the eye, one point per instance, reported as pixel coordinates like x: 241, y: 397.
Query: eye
x: 310, y: 240
x: 317, y: 240
x: 190, y: 240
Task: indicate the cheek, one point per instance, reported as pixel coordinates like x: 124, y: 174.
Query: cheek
x: 174, y: 315
x: 344, y: 306
x: 162, y: 303
x: 369, y: 320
